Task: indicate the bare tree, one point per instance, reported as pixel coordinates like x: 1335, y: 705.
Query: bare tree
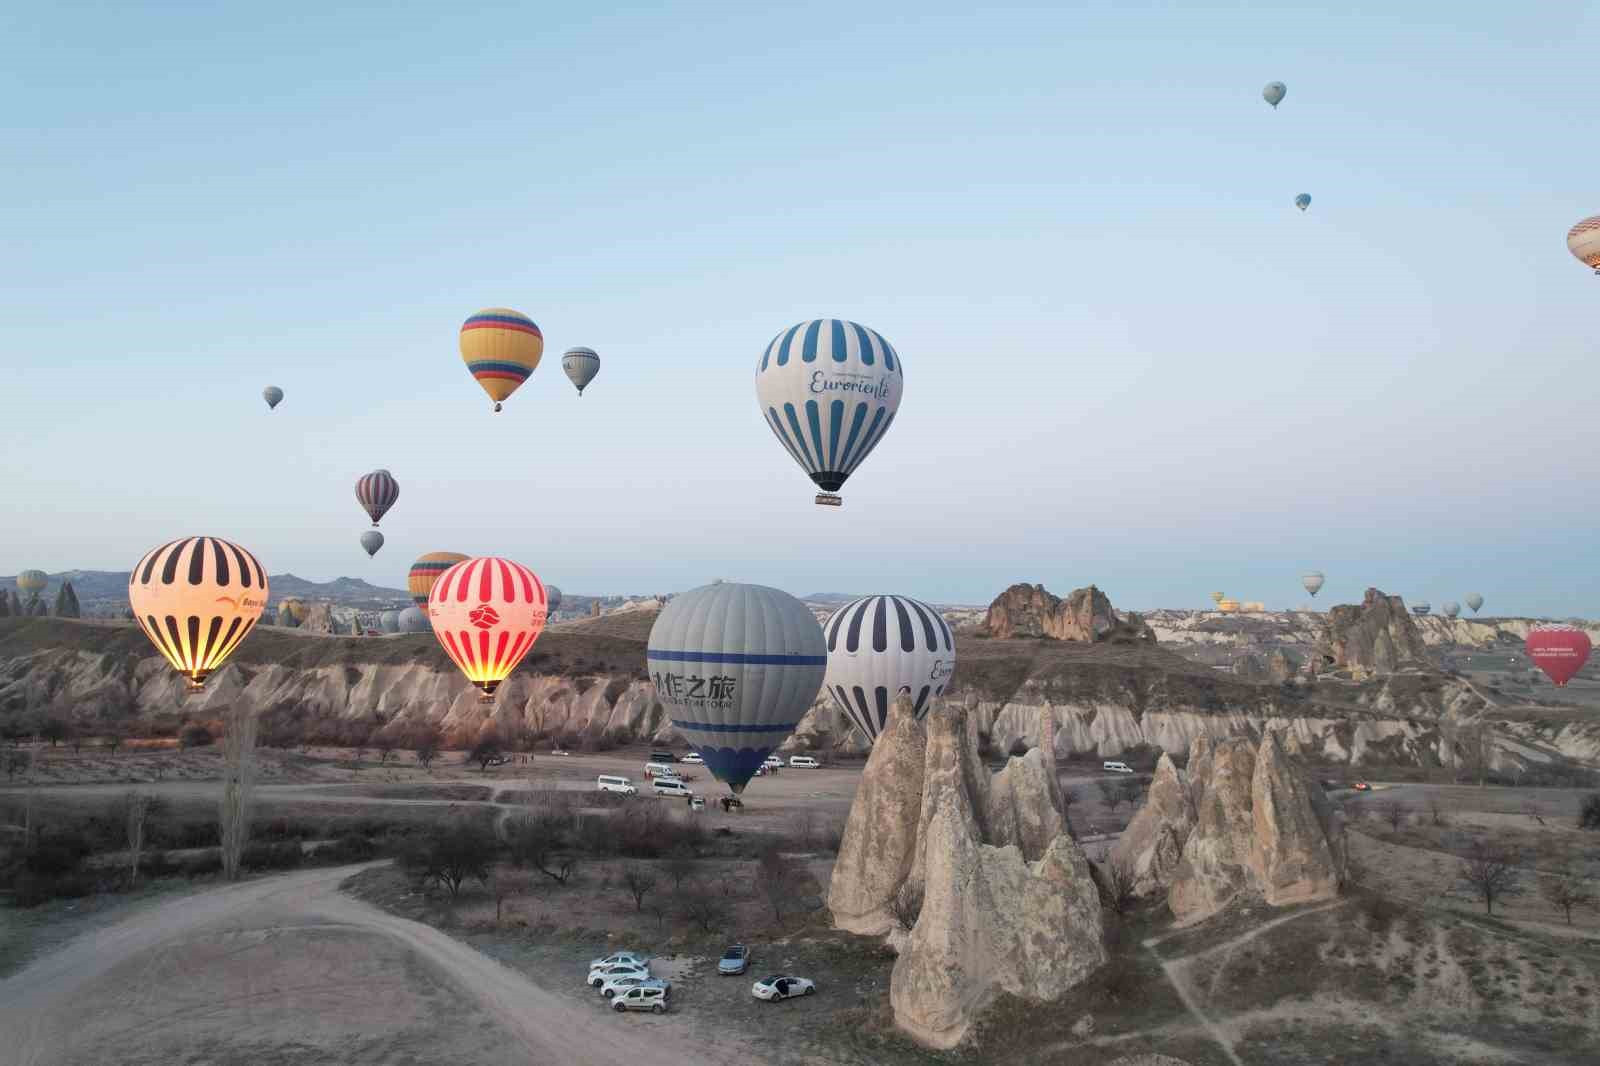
x: 805, y: 829
x: 534, y: 840
x: 1110, y: 794
x: 137, y: 810
x: 1566, y: 889
x: 1533, y: 811
x: 428, y: 743
x: 1436, y: 811
x: 905, y: 907
x: 452, y: 854
x: 114, y: 740
x: 1131, y: 790
x: 709, y: 912
x: 505, y: 884
x: 777, y: 880
x: 658, y: 906
x: 1491, y: 873
x: 1116, y: 887
x: 238, y: 783
x: 384, y: 746
x: 680, y: 866
x: 1069, y: 796
x: 17, y: 762
x: 638, y: 882
x: 485, y: 751
x: 1394, y: 812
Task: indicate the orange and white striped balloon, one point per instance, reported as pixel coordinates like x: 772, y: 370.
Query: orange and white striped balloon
x: 196, y: 599
x: 486, y: 613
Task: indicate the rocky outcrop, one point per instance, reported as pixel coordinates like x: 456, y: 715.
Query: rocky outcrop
x: 1376, y: 638
x: 1084, y: 616
x: 1007, y: 902
x: 1297, y: 854
x: 1212, y: 869
x: 1151, y: 848
x: 318, y: 619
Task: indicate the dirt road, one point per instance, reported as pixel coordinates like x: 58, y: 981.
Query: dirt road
x: 289, y: 971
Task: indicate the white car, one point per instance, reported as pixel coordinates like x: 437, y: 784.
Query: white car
x: 637, y: 958
x: 650, y: 996
x: 773, y: 763
x: 623, y: 982
x: 782, y: 986
x: 615, y: 783
x: 600, y: 975
x: 805, y: 762
x: 1116, y: 768
x: 694, y: 757
x: 558, y: 751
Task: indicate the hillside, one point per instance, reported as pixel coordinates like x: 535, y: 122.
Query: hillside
x: 105, y: 592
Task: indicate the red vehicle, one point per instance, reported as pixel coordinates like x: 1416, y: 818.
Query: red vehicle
x: 1361, y: 786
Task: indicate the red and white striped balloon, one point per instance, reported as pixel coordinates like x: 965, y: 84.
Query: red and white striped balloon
x: 486, y: 613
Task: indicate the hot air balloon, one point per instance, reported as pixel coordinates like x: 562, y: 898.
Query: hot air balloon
x: 1303, y: 201
x: 1420, y: 608
x: 1312, y: 580
x: 291, y: 612
x: 32, y: 582
x: 389, y: 621
x: 426, y: 570
x: 553, y: 594
x: 413, y: 620
x: 371, y: 541
x: 1583, y: 241
x: 1218, y: 597
x: 487, y: 612
x: 737, y: 666
x: 880, y: 645
x: 196, y: 599
x: 377, y: 492
x: 1559, y: 650
x: 273, y: 395
x: 1274, y: 93
x: 1451, y: 608
x: 1474, y: 601
x: 829, y: 390
x: 581, y: 365
x: 501, y: 348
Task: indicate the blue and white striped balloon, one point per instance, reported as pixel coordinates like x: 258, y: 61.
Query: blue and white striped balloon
x: 829, y: 390
x: 580, y: 365
x: 879, y: 645
x: 737, y: 667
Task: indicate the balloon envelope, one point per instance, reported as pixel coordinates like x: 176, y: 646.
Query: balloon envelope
x: 1559, y: 650
x: 581, y: 365
x: 389, y: 621
x: 486, y: 613
x: 32, y: 582
x: 879, y: 645
x: 1451, y: 609
x: 273, y: 395
x: 1312, y: 580
x: 197, y: 599
x: 1303, y: 201
x: 1583, y: 241
x: 501, y: 348
x: 829, y: 390
x: 377, y: 492
x: 371, y: 541
x: 737, y: 666
x: 413, y: 620
x: 1218, y: 597
x: 426, y: 570
x: 1274, y: 92
x: 1474, y: 601
x: 1420, y: 607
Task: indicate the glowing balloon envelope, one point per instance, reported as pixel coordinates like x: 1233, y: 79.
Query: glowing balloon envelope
x: 377, y: 492
x: 1474, y: 601
x: 1274, y: 93
x: 1583, y: 241
x: 879, y: 646
x: 502, y: 349
x: 486, y: 613
x: 737, y: 666
x: 197, y: 599
x: 581, y: 365
x: 829, y: 390
x: 1303, y: 201
x: 426, y: 570
x: 371, y: 541
x: 1559, y: 650
x: 1312, y: 580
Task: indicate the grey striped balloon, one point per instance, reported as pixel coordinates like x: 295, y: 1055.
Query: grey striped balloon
x: 881, y: 645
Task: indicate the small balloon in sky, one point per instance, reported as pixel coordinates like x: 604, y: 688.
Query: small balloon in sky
x: 1583, y: 241
x: 1274, y: 93
x: 1303, y: 201
x: 273, y: 395
x: 371, y: 540
x: 581, y: 365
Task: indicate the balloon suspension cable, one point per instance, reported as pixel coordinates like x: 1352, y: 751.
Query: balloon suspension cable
x: 828, y: 499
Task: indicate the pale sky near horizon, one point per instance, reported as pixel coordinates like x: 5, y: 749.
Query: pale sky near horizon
x: 1128, y: 358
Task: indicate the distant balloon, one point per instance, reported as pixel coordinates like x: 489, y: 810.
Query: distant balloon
x: 553, y: 594
x: 1583, y: 241
x: 273, y: 395
x: 377, y: 492
x: 737, y: 667
x: 291, y: 612
x: 1474, y: 601
x: 371, y: 540
x: 426, y: 570
x: 196, y: 599
x: 1312, y: 580
x: 1274, y: 93
x: 581, y: 365
x: 486, y: 613
x: 501, y: 348
x: 1421, y: 607
x: 879, y: 646
x: 412, y: 620
x: 1303, y: 201
x: 389, y: 621
x: 32, y: 582
x: 829, y: 390
x: 1559, y: 650
x: 1218, y: 597
x: 1451, y: 608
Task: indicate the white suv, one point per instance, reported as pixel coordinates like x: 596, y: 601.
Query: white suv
x: 670, y: 786
x: 613, y: 783
x: 650, y: 996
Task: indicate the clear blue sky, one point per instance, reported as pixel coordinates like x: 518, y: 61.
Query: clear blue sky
x: 1129, y: 359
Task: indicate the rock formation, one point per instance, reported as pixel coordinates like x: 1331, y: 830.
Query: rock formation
x: 66, y: 602
x: 1085, y: 616
x: 1376, y: 638
x: 1150, y: 849
x: 1212, y: 869
x: 319, y: 619
x: 1007, y: 903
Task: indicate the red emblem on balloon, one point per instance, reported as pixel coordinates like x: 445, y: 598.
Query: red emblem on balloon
x: 1560, y: 651
x: 483, y: 616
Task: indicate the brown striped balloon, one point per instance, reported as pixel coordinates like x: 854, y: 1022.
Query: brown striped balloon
x: 197, y: 599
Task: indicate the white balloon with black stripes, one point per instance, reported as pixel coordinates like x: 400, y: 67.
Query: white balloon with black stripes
x: 879, y: 646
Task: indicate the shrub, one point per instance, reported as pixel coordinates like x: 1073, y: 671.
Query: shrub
x: 57, y: 853
x: 195, y: 735
x: 351, y: 847
x: 1589, y: 814
x: 202, y: 865
x: 270, y: 855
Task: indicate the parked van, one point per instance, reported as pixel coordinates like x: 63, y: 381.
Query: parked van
x: 671, y: 786
x: 805, y: 762
x: 612, y: 783
x: 663, y: 756
x: 660, y: 769
x: 1116, y: 768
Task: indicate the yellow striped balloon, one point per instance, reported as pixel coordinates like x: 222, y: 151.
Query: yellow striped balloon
x: 425, y: 571
x: 196, y: 599
x: 501, y: 348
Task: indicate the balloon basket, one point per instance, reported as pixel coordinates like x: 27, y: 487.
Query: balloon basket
x: 828, y: 499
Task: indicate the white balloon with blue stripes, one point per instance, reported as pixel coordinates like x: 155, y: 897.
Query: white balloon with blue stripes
x: 879, y: 646
x: 737, y: 666
x: 829, y: 390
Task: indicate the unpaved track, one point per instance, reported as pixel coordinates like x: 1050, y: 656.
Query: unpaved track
x: 289, y: 971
